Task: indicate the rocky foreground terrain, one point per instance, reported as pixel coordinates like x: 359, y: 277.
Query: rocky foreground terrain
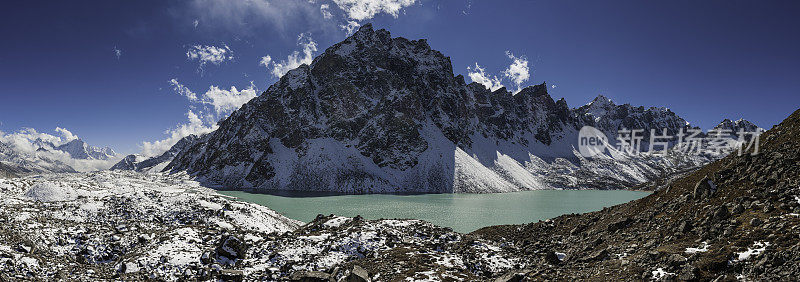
x: 135, y: 226
x: 736, y: 219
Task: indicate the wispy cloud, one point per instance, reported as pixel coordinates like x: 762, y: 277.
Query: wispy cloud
x: 294, y: 60
x: 117, y: 52
x: 248, y: 17
x: 209, y: 54
x: 478, y: 74
x: 195, y: 126
x: 518, y: 72
x: 350, y: 27
x: 183, y: 90
x: 325, y: 9
x: 366, y: 9
x: 242, y: 16
x: 215, y: 104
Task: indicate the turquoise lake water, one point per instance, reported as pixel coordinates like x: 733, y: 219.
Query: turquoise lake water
x: 462, y: 212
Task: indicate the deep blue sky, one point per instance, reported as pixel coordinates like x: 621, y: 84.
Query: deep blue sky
x: 706, y: 60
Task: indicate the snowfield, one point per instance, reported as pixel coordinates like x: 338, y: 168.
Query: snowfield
x: 96, y: 225
x: 142, y: 226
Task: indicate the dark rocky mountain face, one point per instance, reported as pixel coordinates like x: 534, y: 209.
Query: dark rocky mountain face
x: 380, y: 114
x: 736, y: 126
x: 127, y: 163
x: 7, y: 171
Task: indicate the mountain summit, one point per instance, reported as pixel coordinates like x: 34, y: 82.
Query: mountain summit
x: 80, y: 150
x: 376, y: 114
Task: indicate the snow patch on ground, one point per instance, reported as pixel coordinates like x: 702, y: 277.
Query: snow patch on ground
x: 52, y: 192
x: 660, y: 273
x: 336, y: 222
x: 757, y: 249
x: 703, y: 248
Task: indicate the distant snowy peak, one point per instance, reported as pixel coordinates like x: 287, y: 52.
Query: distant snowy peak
x: 15, y: 163
x: 738, y: 125
x: 80, y: 150
x: 610, y: 117
x: 600, y: 106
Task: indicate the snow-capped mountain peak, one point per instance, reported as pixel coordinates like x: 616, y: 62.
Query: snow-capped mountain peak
x: 738, y: 125
x: 80, y: 150
x: 376, y: 114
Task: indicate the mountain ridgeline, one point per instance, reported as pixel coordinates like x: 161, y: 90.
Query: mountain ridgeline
x: 376, y: 114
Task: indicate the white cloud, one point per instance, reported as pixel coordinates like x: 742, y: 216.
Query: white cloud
x: 227, y: 101
x: 215, y: 104
x: 518, y: 72
x: 295, y: 59
x: 467, y: 8
x: 117, y: 52
x: 223, y: 101
x: 183, y: 90
x: 350, y: 27
x: 195, y: 23
x: 194, y: 126
x: 29, y: 140
x: 265, y: 61
x: 553, y: 86
x: 326, y: 11
x: 209, y: 54
x: 478, y: 74
x: 366, y: 9
x: 66, y: 135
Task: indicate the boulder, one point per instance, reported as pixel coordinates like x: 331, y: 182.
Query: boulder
x: 358, y: 274
x: 514, y: 276
x: 231, y: 275
x: 702, y: 189
x: 232, y: 248
x: 550, y: 257
x: 309, y: 276
x: 721, y: 213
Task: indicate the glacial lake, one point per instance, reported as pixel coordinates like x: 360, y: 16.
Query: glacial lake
x: 462, y: 212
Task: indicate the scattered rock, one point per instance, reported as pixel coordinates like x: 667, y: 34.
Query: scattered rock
x: 358, y: 274
x: 232, y: 248
x: 309, y: 276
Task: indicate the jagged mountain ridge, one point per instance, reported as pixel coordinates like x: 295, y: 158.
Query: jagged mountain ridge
x: 82, y: 151
x: 157, y: 163
x: 379, y: 114
x: 15, y: 163
x: 736, y: 126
